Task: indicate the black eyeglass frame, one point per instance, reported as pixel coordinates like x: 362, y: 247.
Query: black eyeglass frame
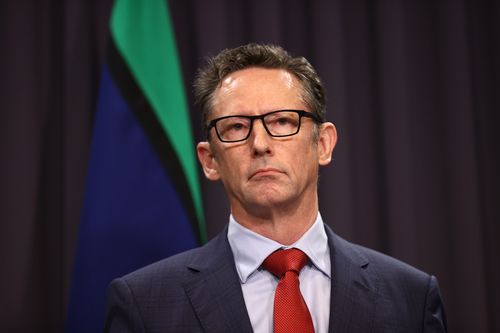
x: 301, y: 114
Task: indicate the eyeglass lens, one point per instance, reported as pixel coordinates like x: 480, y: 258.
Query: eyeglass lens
x: 280, y: 123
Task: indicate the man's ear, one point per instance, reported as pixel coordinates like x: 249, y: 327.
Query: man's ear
x: 207, y: 160
x: 326, y: 143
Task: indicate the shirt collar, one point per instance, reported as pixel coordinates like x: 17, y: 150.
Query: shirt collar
x: 250, y: 249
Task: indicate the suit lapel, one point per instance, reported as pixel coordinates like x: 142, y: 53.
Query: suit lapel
x: 353, y: 289
x: 217, y: 299
x: 215, y: 292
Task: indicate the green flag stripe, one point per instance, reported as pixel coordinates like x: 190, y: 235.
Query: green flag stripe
x: 144, y: 114
x: 143, y: 34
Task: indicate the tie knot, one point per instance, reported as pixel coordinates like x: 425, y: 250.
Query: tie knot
x: 282, y: 261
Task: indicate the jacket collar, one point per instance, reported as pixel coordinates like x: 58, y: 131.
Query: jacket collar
x: 215, y: 292
x: 217, y: 299
x: 353, y: 290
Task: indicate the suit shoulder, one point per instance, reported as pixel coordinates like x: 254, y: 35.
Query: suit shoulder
x: 174, y: 268
x: 391, y: 269
x: 169, y: 265
x: 382, y: 265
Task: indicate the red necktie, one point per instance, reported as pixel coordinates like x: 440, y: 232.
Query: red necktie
x: 291, y: 314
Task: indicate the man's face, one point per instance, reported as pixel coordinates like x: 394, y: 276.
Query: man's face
x: 263, y: 172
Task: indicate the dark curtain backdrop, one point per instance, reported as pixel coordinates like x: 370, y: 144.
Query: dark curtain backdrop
x: 413, y: 87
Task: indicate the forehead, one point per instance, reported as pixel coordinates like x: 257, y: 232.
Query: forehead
x: 256, y: 91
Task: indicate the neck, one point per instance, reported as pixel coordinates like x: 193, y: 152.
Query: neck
x: 285, y: 224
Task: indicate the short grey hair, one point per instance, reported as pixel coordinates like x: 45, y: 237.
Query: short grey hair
x: 269, y: 56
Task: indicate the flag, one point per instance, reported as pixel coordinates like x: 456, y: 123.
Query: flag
x: 142, y: 200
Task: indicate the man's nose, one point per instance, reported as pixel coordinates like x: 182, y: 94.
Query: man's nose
x: 260, y: 139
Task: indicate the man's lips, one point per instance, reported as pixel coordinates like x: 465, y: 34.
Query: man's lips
x: 263, y: 172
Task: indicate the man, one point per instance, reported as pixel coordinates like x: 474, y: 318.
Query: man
x: 264, y: 112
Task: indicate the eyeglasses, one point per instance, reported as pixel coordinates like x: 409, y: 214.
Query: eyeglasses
x: 277, y: 124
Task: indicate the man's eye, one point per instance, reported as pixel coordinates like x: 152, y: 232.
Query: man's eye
x: 283, y: 121
x: 237, y: 127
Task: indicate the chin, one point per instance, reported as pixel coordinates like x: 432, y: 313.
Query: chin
x: 269, y: 199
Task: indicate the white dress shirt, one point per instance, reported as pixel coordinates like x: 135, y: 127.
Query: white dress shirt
x: 251, y: 249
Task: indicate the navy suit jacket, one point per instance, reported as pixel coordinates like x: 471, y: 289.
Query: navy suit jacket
x: 199, y: 291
